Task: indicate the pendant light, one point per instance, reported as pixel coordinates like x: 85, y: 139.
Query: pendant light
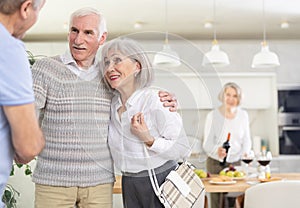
x: 215, y: 57
x: 265, y: 58
x: 167, y: 57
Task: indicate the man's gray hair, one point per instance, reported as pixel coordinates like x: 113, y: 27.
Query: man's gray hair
x: 8, y: 7
x: 88, y: 11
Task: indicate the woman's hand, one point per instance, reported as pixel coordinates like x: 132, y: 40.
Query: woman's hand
x: 139, y: 128
x: 221, y: 152
x: 169, y: 100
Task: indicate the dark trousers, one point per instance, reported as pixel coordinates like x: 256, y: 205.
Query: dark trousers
x: 137, y: 191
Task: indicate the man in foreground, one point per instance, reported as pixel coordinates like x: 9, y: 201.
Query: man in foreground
x: 20, y: 136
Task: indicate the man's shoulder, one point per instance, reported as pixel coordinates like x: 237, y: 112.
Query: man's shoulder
x: 48, y: 64
x: 49, y: 60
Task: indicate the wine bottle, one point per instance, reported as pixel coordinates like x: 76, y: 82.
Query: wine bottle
x: 226, y: 146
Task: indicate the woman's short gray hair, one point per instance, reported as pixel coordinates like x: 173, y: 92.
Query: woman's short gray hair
x: 134, y: 51
x: 88, y: 11
x: 11, y: 6
x: 234, y: 86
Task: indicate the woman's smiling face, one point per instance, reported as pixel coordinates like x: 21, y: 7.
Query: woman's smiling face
x: 231, y: 98
x: 120, y: 70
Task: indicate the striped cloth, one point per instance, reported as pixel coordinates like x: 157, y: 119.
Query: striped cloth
x: 172, y: 195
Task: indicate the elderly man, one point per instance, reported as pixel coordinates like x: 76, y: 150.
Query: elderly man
x: 75, y: 167
x: 20, y: 136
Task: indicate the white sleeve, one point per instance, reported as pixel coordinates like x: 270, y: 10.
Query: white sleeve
x: 247, y: 143
x: 209, y: 145
x: 172, y: 139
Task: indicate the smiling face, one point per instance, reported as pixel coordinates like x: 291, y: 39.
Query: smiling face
x: 230, y: 98
x: 120, y: 71
x: 84, y: 39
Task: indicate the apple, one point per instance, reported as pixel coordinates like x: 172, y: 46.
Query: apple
x: 222, y: 172
x: 230, y: 173
x: 239, y: 174
x: 201, y: 173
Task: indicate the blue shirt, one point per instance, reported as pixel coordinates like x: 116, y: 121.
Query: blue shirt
x: 15, y: 89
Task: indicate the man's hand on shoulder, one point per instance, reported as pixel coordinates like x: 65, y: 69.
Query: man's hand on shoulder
x: 169, y: 100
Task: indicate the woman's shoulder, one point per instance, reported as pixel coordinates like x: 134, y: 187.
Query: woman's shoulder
x: 242, y: 113
x: 148, y: 95
x: 214, y: 112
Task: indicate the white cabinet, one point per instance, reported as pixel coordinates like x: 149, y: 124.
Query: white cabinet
x: 189, y: 89
x: 259, y: 90
x: 200, y: 91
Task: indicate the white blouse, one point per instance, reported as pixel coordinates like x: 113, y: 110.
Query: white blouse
x: 166, y: 127
x: 216, y: 130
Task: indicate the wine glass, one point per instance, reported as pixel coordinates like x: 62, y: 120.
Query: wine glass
x: 264, y: 159
x: 247, y: 158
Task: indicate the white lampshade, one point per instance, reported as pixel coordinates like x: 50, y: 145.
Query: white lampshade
x: 167, y: 57
x: 265, y: 58
x: 215, y: 57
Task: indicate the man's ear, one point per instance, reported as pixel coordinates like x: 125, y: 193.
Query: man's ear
x: 103, y: 38
x: 24, y: 9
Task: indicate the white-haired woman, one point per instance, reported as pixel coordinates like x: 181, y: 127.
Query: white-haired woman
x: 138, y: 119
x: 227, y: 118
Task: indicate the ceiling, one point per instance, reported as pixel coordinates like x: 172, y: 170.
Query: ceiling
x: 234, y: 19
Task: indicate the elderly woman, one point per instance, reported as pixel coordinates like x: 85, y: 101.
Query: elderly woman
x: 228, y: 118
x: 139, y: 120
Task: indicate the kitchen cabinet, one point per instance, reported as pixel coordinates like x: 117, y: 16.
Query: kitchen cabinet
x: 200, y: 91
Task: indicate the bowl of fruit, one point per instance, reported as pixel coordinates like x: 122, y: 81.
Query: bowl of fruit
x: 234, y: 173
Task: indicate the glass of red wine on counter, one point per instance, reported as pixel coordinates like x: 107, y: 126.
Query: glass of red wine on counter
x: 247, y: 158
x: 264, y: 159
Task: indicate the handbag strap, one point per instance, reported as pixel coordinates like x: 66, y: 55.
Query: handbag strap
x: 152, y: 174
x: 153, y: 179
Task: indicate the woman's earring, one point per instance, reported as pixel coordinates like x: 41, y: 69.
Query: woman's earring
x: 136, y: 73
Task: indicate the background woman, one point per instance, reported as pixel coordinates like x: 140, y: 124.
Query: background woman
x: 228, y: 118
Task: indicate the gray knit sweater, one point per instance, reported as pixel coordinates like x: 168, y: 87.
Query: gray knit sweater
x: 74, y: 117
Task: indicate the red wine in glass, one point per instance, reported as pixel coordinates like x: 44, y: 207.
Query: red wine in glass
x: 264, y: 162
x: 247, y: 161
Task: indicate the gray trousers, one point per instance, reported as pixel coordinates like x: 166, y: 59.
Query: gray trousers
x: 137, y: 191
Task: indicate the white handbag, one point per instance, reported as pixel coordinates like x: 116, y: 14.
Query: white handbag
x: 182, y: 187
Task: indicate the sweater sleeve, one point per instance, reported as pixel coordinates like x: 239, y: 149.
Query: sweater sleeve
x: 40, y: 87
x: 39, y: 73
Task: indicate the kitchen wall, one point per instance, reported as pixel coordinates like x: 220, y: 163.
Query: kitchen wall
x: 240, y: 53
